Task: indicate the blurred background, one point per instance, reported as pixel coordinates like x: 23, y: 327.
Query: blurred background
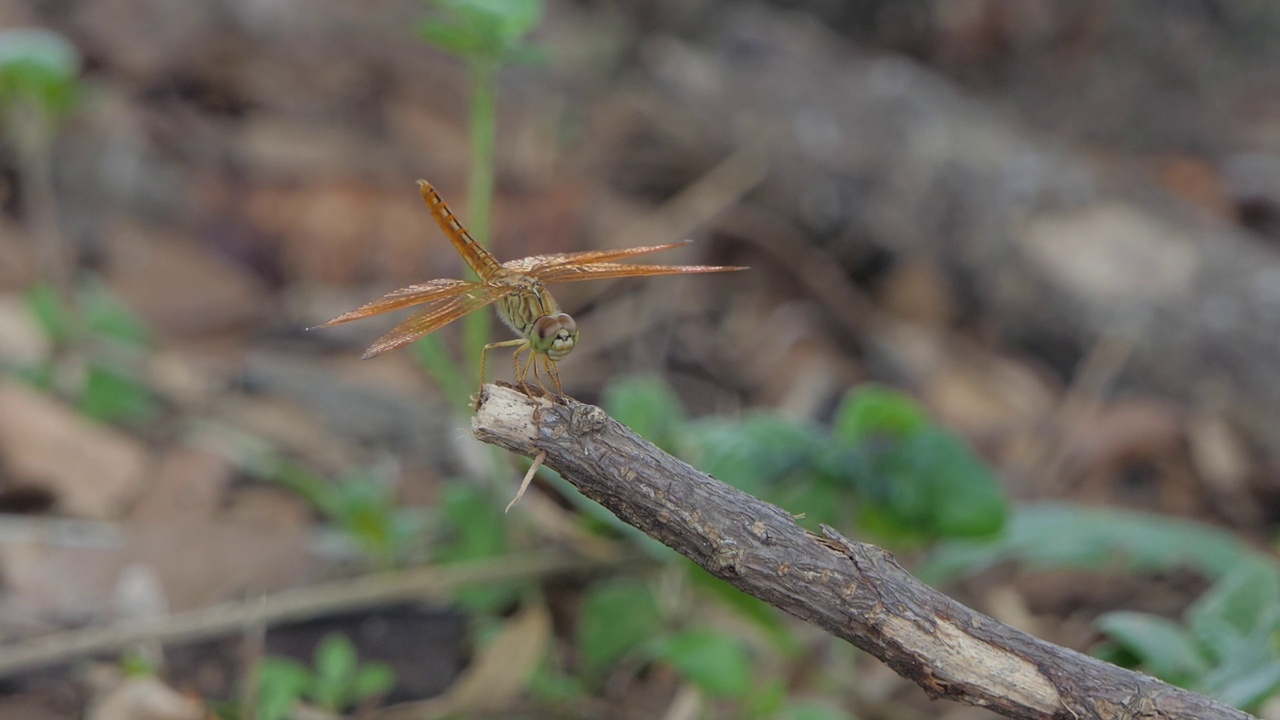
x: 1012, y: 313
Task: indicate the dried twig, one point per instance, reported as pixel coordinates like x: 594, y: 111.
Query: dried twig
x: 299, y: 603
x: 852, y: 590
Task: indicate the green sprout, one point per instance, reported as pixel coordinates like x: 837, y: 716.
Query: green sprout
x: 486, y: 34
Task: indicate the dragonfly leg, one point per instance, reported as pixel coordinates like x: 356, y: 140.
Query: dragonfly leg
x: 554, y: 374
x: 505, y: 343
x: 523, y: 372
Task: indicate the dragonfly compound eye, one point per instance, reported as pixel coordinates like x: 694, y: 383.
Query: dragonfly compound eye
x: 555, y: 334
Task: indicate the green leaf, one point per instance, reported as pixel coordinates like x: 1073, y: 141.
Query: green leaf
x: 648, y: 406
x: 715, y: 662
x: 490, y: 29
x: 54, y: 316
x: 280, y: 683
x: 311, y: 487
x: 37, y: 376
x: 1162, y: 645
x: 816, y: 500
x: 365, y: 509
x: 1061, y: 535
x: 551, y: 686
x: 922, y: 486
x: 372, y: 680
x: 434, y: 357
x: 457, y: 38
x: 38, y: 67
x: 767, y: 698
x: 476, y: 529
x: 335, y: 660
x: 617, y: 617
x: 872, y: 411
x: 109, y: 396
x: 964, y: 498
x: 1248, y: 671
x: 1246, y: 598
x: 137, y: 664
x: 106, y: 315
x: 477, y: 526
x: 752, y: 453
x: 1247, y: 686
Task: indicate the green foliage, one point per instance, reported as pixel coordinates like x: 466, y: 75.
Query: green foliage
x: 135, y: 663
x: 1228, y: 646
x: 38, y: 74
x: 109, y: 395
x: 915, y: 480
x: 486, y: 33
x: 618, y: 617
x: 714, y: 661
x: 280, y: 685
x: 876, y: 412
x: 884, y: 464
x: 113, y: 341
x: 474, y: 528
x: 337, y: 682
x: 1228, y: 643
x: 1060, y: 535
x: 489, y: 29
x: 552, y: 686
x: 49, y: 310
x: 360, y: 505
x: 648, y: 406
x: 105, y: 317
x: 758, y: 453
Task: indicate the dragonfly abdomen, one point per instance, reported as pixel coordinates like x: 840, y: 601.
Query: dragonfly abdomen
x: 481, y: 261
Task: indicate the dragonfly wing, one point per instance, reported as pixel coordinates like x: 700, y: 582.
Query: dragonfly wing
x: 433, y: 291
x: 430, y: 319
x: 604, y: 271
x: 532, y: 265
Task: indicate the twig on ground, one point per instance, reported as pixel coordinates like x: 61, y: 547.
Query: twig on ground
x: 416, y: 583
x: 852, y: 590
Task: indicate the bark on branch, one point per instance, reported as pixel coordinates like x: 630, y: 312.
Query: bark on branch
x: 852, y: 590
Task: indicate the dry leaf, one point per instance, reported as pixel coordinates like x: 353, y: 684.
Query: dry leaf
x: 145, y: 698
x: 497, y: 676
x: 92, y: 469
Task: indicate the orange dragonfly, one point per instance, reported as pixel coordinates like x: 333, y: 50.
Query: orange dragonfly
x: 519, y: 289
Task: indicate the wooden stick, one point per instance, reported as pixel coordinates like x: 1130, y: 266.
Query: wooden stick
x: 852, y: 590
x: 431, y: 582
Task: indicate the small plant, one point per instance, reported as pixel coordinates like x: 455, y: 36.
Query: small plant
x: 360, y: 505
x: 337, y: 682
x: 486, y: 34
x: 883, y: 467
x: 1227, y: 647
x: 1227, y: 644
x: 98, y: 345
x: 622, y: 622
x: 1062, y: 535
x: 39, y: 85
x: 104, y: 377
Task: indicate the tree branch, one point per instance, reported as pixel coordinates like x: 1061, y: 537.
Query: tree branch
x: 852, y: 590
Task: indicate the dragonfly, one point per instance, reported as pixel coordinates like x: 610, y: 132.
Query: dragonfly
x: 519, y: 289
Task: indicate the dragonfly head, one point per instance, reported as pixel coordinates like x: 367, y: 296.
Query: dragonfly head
x: 554, y: 335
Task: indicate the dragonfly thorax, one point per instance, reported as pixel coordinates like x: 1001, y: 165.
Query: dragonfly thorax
x: 554, y: 335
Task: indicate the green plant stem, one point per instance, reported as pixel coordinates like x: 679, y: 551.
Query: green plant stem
x: 477, y: 326
x: 32, y: 131
x: 456, y: 385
